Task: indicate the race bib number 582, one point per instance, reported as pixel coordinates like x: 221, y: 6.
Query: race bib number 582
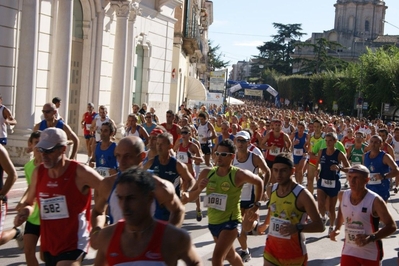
x: 54, y: 208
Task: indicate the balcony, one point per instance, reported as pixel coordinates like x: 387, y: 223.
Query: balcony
x: 191, y: 37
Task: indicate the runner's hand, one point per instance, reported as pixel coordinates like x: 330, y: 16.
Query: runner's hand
x: 21, y: 217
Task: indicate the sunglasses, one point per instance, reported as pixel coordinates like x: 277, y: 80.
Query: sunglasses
x: 184, y: 132
x: 223, y: 154
x: 46, y: 111
x: 49, y: 151
x: 241, y: 140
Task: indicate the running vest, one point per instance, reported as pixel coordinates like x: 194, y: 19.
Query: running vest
x: 286, y: 130
x: 105, y: 159
x: 220, y: 137
x: 273, y: 141
x: 150, y: 256
x: 172, y: 131
x: 99, y: 123
x: 376, y: 166
x: 395, y: 146
x: 204, y: 132
x: 348, y: 142
x: 218, y: 129
x: 87, y: 122
x: 136, y: 133
x: 3, y: 125
x: 64, y: 212
x: 183, y: 154
x: 358, y: 220
x: 356, y: 155
x: 167, y: 172
x: 283, y: 210
x: 247, y: 192
x: 326, y: 161
x: 299, y: 149
x: 222, y: 197
x: 313, y: 141
x: 43, y: 125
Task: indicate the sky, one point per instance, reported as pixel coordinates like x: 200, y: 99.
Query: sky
x: 240, y: 26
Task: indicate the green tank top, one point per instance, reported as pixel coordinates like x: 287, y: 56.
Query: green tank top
x: 356, y: 155
x: 34, y: 218
x: 223, y: 197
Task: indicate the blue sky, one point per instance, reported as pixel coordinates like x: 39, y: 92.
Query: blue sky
x: 254, y: 18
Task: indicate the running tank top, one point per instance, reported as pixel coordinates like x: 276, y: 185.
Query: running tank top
x: 223, y: 197
x: 98, y: 126
x: 203, y: 132
x: 136, y: 133
x: 286, y: 130
x: 283, y: 210
x: 247, y: 192
x: 105, y: 159
x: 376, y: 166
x: 395, y: 146
x: 273, y: 141
x: 313, y: 141
x: 172, y: 131
x: 43, y: 125
x: 358, y: 220
x: 87, y: 122
x: 3, y: 125
x: 299, y: 149
x: 218, y: 129
x: 326, y: 161
x: 150, y: 256
x: 64, y: 212
x: 356, y: 155
x: 183, y: 154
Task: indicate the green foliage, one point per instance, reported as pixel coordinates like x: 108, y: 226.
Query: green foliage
x: 214, y: 58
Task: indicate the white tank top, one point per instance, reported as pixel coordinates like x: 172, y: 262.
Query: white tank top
x: 98, y: 126
x: 286, y: 130
x: 358, y: 221
x: 203, y: 132
x: 3, y: 125
x: 395, y: 145
x: 246, y: 191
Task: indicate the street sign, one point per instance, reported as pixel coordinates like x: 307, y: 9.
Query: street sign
x: 386, y: 107
x: 365, y: 105
x: 335, y: 106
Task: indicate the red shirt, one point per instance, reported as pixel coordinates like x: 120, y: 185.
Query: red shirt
x: 87, y: 122
x: 277, y: 142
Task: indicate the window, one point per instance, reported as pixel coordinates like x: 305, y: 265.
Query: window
x: 367, y: 26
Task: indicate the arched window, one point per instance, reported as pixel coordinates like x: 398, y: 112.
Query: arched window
x: 367, y: 26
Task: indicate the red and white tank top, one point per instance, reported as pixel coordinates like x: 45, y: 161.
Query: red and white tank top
x: 277, y: 142
x: 183, y: 154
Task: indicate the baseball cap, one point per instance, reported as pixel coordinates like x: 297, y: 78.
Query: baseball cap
x: 243, y: 134
x: 156, y: 131
x: 359, y: 168
x: 51, y: 137
x: 91, y: 104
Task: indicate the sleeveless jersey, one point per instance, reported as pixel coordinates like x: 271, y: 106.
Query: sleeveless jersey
x: 247, y: 192
x: 299, y: 149
x: 148, y: 128
x: 167, y: 172
x: 348, y: 142
x: 98, y: 126
x: 183, y: 154
x: 283, y: 210
x: 376, y: 166
x: 313, y: 141
x: 34, y: 218
x: 326, y: 161
x: 218, y: 129
x: 114, y: 210
x: 286, y: 130
x: 105, y: 159
x: 172, y: 131
x: 223, y: 197
x: 395, y: 146
x: 43, y: 125
x: 204, y: 132
x: 64, y: 212
x: 273, y: 141
x: 150, y: 256
x: 87, y: 122
x: 136, y: 133
x: 3, y: 125
x: 356, y: 155
x: 358, y: 220
x: 220, y: 138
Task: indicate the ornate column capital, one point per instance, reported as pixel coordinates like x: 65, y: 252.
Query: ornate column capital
x: 121, y: 8
x: 135, y: 10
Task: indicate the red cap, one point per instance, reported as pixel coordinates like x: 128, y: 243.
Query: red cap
x: 156, y: 131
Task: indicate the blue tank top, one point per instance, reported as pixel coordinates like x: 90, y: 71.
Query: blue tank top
x: 167, y: 172
x: 326, y: 161
x: 376, y: 165
x: 106, y: 158
x: 220, y: 138
x: 43, y: 125
x: 302, y: 141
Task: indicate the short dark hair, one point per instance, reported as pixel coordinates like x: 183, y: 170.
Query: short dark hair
x: 140, y: 177
x: 110, y: 125
x: 56, y: 100
x: 229, y: 144
x: 34, y: 135
x: 170, y: 112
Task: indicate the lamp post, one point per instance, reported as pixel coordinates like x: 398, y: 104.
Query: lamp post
x: 260, y: 73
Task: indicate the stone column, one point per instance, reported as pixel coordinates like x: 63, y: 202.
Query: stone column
x: 62, y: 55
x: 26, y: 82
x: 117, y: 108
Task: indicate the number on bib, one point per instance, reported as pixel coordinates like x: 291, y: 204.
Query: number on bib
x: 350, y: 235
x: 182, y: 156
x: 103, y: 171
x: 216, y: 201
x: 53, y: 208
x: 274, y: 228
x: 327, y: 183
x: 374, y: 180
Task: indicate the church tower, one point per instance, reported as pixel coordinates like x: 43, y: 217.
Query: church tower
x: 360, y: 18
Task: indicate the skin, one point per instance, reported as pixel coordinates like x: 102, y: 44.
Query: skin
x: 132, y: 123
x: 357, y: 184
x: 176, y: 243
x: 9, y: 119
x: 164, y: 192
x: 52, y: 121
x: 56, y: 164
x: 224, y: 249
x: 311, y: 168
x: 211, y: 129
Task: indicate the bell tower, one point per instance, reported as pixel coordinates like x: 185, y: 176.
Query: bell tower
x: 360, y: 18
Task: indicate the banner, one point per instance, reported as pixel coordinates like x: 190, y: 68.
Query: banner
x: 250, y: 92
x: 217, y: 80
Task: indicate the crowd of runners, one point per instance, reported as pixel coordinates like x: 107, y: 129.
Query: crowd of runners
x: 243, y: 157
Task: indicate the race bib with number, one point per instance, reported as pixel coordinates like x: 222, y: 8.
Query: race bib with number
x: 53, y: 208
x: 374, y: 180
x: 350, y: 235
x: 298, y: 152
x: 275, y: 151
x: 103, y: 171
x: 182, y: 156
x: 216, y: 201
x: 327, y: 183
x: 274, y: 228
x: 355, y: 163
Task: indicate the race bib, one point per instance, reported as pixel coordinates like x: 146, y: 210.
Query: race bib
x: 53, y: 208
x: 298, y: 152
x: 275, y: 151
x: 103, y: 171
x: 216, y: 201
x: 182, y: 156
x: 246, y: 192
x: 327, y: 183
x: 88, y: 126
x: 374, y: 180
x: 350, y: 235
x: 274, y: 228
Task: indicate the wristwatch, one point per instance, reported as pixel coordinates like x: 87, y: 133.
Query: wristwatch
x: 257, y: 203
x: 372, y: 238
x: 299, y: 227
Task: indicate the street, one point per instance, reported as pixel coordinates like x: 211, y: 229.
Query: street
x: 321, y: 251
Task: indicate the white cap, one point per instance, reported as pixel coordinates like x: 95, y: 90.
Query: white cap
x: 51, y: 137
x: 243, y: 134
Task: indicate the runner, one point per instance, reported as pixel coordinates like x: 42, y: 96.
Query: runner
x: 206, y: 133
x: 290, y: 204
x: 5, y: 119
x: 313, y: 139
x: 299, y: 148
x: 63, y: 193
x: 139, y: 239
x: 223, y: 189
x: 134, y: 129
x: 357, y: 209
x: 87, y: 119
x: 171, y: 127
x: 100, y: 118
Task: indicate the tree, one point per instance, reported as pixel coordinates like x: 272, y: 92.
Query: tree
x: 276, y: 54
x: 214, y: 58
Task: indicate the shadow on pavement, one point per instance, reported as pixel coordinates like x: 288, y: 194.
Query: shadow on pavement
x: 201, y: 244
x: 325, y: 262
